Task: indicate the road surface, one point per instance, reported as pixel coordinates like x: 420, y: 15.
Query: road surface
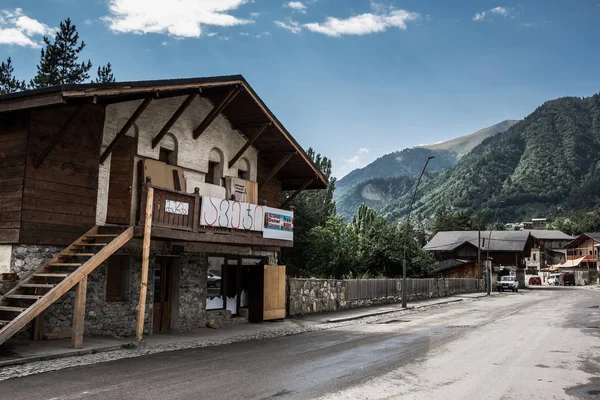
x: 538, y: 344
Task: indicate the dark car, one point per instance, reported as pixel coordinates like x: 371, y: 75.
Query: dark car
x: 213, y: 280
x: 535, y: 280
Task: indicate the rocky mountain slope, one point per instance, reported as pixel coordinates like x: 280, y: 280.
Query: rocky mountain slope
x: 545, y: 165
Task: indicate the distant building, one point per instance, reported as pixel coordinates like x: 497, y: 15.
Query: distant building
x: 538, y: 223
x: 457, y: 251
x: 548, y: 249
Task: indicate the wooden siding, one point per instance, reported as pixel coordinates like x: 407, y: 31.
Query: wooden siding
x: 272, y: 191
x: 13, y: 147
x: 59, y: 200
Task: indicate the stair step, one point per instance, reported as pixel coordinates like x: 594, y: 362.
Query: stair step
x: 78, y: 254
x: 102, y: 235
x: 59, y: 264
x: 90, y: 244
x: 52, y: 275
x: 13, y: 309
x: 24, y: 296
x: 37, y: 285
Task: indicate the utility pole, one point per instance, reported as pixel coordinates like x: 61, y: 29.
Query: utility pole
x: 404, y: 286
x: 488, y: 261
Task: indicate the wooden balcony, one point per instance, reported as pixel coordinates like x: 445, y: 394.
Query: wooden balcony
x: 176, y: 216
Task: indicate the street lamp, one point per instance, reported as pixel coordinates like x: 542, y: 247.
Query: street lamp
x: 489, y: 262
x: 406, y: 233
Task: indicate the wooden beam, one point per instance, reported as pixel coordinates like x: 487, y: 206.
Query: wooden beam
x: 276, y: 169
x: 248, y: 144
x: 136, y: 114
x: 297, y: 192
x: 55, y: 138
x: 139, y: 332
x: 214, y: 113
x: 38, y: 327
x: 184, y: 106
x: 79, y: 314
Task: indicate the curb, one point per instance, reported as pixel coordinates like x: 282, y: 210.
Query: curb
x: 74, y: 353
x: 373, y: 314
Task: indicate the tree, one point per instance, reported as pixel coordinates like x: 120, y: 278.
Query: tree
x: 312, y: 208
x: 59, y: 61
x: 447, y: 219
x: 105, y: 74
x: 8, y: 83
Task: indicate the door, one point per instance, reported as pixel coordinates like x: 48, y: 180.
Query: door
x: 274, y: 292
x: 163, y: 274
x: 120, y: 182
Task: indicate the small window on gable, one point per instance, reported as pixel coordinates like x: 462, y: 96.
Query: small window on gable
x: 214, y: 175
x: 211, y: 178
x: 167, y: 156
x: 117, y: 278
x: 534, y: 256
x: 244, y: 169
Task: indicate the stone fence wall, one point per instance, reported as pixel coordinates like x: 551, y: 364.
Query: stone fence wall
x: 309, y: 296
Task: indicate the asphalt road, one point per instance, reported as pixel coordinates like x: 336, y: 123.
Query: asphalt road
x: 535, y: 344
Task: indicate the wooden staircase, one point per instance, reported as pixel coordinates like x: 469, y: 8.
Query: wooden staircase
x: 38, y: 291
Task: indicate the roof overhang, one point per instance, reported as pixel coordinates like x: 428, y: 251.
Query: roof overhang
x: 247, y: 113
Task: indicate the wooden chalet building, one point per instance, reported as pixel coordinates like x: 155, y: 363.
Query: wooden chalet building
x: 165, y: 194
x: 457, y: 252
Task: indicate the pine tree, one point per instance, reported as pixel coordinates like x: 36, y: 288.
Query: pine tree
x: 59, y: 62
x: 105, y: 74
x: 8, y: 83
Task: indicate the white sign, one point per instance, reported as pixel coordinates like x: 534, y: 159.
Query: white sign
x: 231, y: 214
x: 279, y: 224
x: 177, y: 207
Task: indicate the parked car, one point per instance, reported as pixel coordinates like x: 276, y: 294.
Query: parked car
x: 508, y: 282
x: 554, y: 279
x: 213, y: 280
x: 535, y: 280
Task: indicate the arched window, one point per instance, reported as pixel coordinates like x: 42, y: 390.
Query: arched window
x: 214, y: 175
x: 244, y: 169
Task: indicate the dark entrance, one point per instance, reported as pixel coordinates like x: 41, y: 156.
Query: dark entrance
x: 163, y: 291
x: 120, y: 181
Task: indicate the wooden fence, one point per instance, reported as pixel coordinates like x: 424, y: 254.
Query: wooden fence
x: 367, y: 289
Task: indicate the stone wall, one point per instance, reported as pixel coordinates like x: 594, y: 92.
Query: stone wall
x: 192, y: 291
x: 309, y: 296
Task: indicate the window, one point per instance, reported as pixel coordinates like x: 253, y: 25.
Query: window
x: 534, y: 256
x: 214, y: 284
x: 580, y: 252
x: 211, y: 177
x: 243, y: 174
x: 117, y: 278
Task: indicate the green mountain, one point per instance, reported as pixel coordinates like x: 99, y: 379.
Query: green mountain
x: 375, y: 184
x: 544, y: 166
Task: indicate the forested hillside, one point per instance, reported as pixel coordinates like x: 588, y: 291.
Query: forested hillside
x: 546, y: 165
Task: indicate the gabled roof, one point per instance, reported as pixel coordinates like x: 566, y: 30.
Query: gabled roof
x: 584, y: 236
x: 451, y: 263
x: 549, y: 234
x: 246, y: 113
x: 501, y: 241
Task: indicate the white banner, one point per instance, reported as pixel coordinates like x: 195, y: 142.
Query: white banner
x: 231, y: 214
x: 279, y: 224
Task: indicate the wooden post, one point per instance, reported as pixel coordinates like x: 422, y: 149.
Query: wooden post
x: 139, y: 332
x: 196, y: 215
x: 38, y: 327
x: 79, y: 314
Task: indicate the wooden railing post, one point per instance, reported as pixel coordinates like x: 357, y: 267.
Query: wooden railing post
x: 143, y: 199
x: 79, y: 314
x: 196, y: 216
x: 139, y: 332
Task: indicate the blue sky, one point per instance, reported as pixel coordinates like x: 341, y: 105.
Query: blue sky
x: 354, y: 79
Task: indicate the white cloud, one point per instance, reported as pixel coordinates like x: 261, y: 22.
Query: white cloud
x: 356, y: 161
x: 255, y: 14
x: 20, y: 30
x: 183, y: 18
x: 505, y: 12
x: 297, y: 6
x: 364, y: 24
x: 165, y: 43
x: 244, y: 34
x: 211, y: 34
x: 88, y: 21
x: 291, y: 26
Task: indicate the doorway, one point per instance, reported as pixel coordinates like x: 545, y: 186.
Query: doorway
x: 120, y: 182
x: 163, y: 294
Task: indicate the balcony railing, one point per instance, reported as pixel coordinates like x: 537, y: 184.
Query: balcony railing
x: 183, y: 212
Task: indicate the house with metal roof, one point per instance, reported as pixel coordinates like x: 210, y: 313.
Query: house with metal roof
x: 505, y: 249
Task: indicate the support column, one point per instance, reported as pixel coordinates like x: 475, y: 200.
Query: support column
x: 79, y: 314
x: 139, y: 332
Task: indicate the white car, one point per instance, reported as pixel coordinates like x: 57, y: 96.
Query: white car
x: 508, y: 282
